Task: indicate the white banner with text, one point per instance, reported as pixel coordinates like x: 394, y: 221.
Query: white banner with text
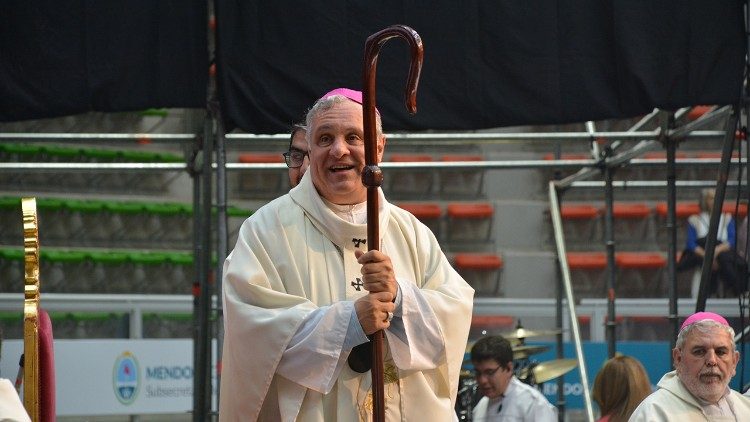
x: 117, y: 376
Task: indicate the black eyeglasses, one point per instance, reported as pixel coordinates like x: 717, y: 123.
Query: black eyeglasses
x: 294, y: 158
x: 487, y: 372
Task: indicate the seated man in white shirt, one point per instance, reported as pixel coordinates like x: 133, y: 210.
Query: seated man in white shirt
x: 505, y: 397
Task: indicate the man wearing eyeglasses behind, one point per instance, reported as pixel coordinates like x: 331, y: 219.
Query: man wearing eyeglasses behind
x: 297, y: 158
x: 302, y: 293
x: 505, y: 397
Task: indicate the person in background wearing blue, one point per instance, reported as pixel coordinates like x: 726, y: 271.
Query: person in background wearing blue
x: 728, y: 267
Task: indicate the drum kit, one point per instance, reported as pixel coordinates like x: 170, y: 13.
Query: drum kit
x: 526, y: 369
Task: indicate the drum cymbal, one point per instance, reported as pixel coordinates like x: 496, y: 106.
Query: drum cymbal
x: 522, y: 352
x: 517, y: 346
x: 521, y: 333
x: 552, y: 369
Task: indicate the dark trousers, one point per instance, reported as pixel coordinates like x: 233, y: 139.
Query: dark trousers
x: 732, y: 270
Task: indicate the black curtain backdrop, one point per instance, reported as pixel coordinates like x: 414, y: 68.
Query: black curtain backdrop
x: 487, y: 63
x: 61, y: 57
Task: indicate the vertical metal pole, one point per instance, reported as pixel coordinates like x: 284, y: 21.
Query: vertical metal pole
x: 207, y: 280
x: 713, y: 227
x: 222, y: 232
x: 195, y: 171
x: 746, y: 107
x: 672, y: 246
x: 565, y: 271
x: 559, y: 320
x: 559, y: 312
x: 666, y: 122
x: 560, y: 355
x: 609, y: 239
x: 135, y: 331
x: 559, y: 323
x: 743, y: 296
x: 202, y: 368
x: 609, y: 243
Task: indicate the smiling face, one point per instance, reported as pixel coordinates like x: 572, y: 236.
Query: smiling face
x: 706, y: 363
x: 337, y: 153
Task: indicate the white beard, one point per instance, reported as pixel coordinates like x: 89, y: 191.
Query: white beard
x: 710, y: 389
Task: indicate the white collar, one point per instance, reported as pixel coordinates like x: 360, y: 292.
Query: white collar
x: 334, y: 226
x: 356, y: 213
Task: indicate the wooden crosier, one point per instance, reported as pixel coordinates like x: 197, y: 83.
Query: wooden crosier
x: 372, y: 176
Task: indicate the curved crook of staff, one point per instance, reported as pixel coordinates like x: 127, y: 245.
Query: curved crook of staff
x: 372, y: 176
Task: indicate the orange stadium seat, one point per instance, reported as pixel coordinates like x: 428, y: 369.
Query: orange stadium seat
x: 581, y: 224
x: 587, y: 271
x: 662, y: 155
x: 714, y: 155
x: 469, y: 221
x: 729, y: 208
x: 632, y: 223
x: 579, y: 212
x: 471, y: 261
x: 481, y: 271
x: 696, y: 112
x: 683, y: 210
x: 640, y: 260
x: 587, y: 260
x: 260, y: 158
x: 423, y: 211
x: 630, y: 211
x: 429, y: 214
x: 467, y: 182
x: 260, y: 183
x: 640, y: 273
x: 470, y: 211
x: 584, y: 326
x: 410, y: 182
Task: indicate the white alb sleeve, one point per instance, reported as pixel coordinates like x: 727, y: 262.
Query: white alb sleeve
x: 319, y: 348
x: 414, y: 336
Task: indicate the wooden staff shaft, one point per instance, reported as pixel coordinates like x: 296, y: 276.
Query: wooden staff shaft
x: 372, y: 176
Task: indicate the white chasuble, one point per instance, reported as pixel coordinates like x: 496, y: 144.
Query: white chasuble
x: 294, y: 258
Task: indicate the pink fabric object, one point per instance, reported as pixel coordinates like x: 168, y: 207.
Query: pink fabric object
x: 46, y: 369
x: 351, y: 94
x: 700, y: 316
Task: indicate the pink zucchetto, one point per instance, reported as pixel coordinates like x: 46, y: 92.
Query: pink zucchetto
x: 700, y: 316
x: 351, y: 94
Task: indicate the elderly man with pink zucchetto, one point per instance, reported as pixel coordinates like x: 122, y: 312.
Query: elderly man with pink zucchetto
x: 705, y: 361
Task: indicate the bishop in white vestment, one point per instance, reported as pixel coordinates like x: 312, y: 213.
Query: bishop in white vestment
x: 290, y: 287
